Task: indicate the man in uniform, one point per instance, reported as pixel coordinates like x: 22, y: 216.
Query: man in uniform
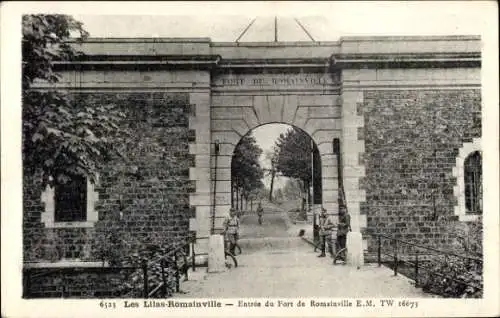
x: 231, y: 230
x: 344, y: 227
x: 260, y: 212
x: 326, y: 226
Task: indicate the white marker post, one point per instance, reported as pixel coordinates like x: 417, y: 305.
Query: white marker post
x: 216, y: 259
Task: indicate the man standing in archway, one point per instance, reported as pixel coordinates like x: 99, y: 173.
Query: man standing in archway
x: 344, y: 227
x: 231, y: 230
x: 326, y: 226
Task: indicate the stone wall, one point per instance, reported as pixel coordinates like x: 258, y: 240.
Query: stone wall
x: 77, y: 285
x: 151, y: 183
x: 412, y: 139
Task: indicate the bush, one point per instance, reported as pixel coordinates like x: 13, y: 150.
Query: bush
x: 462, y: 274
x: 468, y: 241
x: 134, y: 285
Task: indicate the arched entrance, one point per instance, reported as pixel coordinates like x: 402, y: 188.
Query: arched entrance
x: 243, y: 102
x: 247, y: 92
x: 272, y: 153
x: 278, y: 165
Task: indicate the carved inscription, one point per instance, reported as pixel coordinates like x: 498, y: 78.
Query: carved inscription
x: 275, y: 81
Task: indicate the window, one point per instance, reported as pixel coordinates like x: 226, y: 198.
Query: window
x: 71, y: 201
x: 469, y: 189
x: 70, y: 205
x: 473, y: 183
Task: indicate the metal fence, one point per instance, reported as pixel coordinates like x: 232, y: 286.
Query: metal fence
x: 418, y: 259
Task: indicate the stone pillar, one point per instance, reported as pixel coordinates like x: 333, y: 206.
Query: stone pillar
x: 200, y: 201
x: 352, y: 148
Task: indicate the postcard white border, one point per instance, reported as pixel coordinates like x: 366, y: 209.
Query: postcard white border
x: 12, y: 304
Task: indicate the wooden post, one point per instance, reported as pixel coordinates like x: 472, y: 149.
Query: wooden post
x: 216, y: 151
x: 163, y: 278
x: 275, y: 29
x: 395, y: 257
x: 379, y: 250
x: 416, y: 269
x: 193, y: 257
x: 177, y: 274
x: 145, y: 273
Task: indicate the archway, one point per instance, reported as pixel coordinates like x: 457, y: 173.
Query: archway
x: 279, y: 164
x: 233, y: 116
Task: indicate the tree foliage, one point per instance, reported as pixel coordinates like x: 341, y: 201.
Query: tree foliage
x: 44, y: 42
x: 63, y: 134
x: 294, y: 155
x: 246, y: 172
x: 292, y: 189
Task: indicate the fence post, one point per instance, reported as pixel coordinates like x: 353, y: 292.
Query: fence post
x: 395, y: 257
x: 145, y: 272
x: 163, y: 278
x: 379, y: 247
x: 63, y: 291
x: 177, y: 274
x: 416, y: 269
x: 193, y: 256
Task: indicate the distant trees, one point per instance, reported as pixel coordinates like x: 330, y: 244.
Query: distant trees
x: 246, y: 172
x: 292, y: 189
x: 293, y: 157
x: 278, y: 195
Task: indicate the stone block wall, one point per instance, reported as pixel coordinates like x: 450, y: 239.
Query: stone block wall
x: 77, y: 285
x: 412, y: 139
x: 151, y: 183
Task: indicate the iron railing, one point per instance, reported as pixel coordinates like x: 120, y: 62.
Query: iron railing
x: 419, y: 258
x: 170, y: 260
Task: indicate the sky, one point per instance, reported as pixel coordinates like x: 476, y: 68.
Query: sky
x: 266, y: 135
x: 324, y: 21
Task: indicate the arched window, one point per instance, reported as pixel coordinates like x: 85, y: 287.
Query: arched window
x: 473, y: 183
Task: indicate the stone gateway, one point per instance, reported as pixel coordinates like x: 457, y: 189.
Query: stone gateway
x: 407, y: 112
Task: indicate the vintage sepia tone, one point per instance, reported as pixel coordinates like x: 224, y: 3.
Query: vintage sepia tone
x: 175, y: 173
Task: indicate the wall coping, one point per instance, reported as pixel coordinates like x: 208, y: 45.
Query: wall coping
x: 348, y: 52
x: 276, y: 44
x: 142, y: 40
x: 282, y: 43
x: 410, y: 38
x: 65, y: 263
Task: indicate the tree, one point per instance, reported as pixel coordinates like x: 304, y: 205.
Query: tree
x: 278, y: 195
x: 256, y: 193
x: 63, y: 135
x: 292, y: 189
x: 294, y: 151
x: 246, y: 172
x: 272, y: 157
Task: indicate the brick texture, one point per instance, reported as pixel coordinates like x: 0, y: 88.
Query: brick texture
x: 155, y: 200
x: 78, y: 285
x: 411, y: 141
